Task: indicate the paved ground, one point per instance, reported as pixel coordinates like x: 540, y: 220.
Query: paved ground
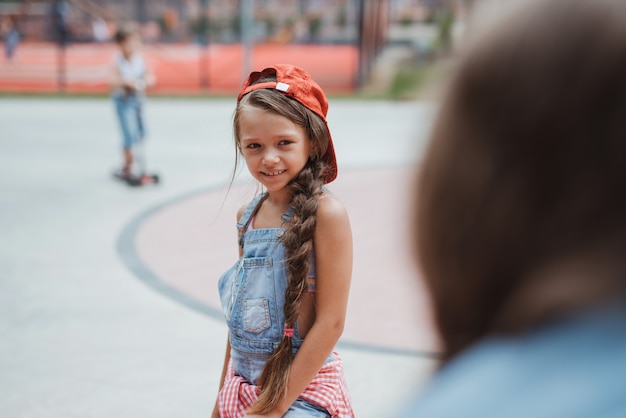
x: 201, y: 244
x: 81, y: 335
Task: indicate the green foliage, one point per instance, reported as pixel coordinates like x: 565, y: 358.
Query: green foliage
x: 315, y: 25
x: 270, y: 25
x: 407, y: 82
x: 341, y: 19
x: 445, y: 23
x: 406, y: 20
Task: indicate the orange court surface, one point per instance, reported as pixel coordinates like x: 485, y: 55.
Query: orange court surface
x: 180, y: 68
x: 389, y: 308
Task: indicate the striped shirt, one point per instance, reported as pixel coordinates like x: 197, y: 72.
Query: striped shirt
x: 327, y: 389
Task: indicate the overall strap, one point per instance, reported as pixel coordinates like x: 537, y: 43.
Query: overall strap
x: 287, y: 216
x: 251, y: 210
x: 244, y: 221
x: 253, y: 207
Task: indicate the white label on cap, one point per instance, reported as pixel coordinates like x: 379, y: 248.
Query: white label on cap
x: 282, y: 86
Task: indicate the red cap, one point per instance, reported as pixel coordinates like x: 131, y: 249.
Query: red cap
x: 296, y: 83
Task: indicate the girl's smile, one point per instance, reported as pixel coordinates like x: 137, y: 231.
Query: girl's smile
x: 274, y: 173
x: 275, y: 148
x: 292, y: 292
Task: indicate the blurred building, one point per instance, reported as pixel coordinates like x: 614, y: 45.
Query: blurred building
x: 218, y: 21
x: 193, y: 35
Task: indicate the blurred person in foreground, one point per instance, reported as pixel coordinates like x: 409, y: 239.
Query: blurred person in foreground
x: 130, y: 77
x: 521, y: 219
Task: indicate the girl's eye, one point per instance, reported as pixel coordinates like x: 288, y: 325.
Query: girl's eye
x: 253, y: 146
x: 285, y: 142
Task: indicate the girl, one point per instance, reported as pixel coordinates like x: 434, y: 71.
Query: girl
x: 285, y: 299
x: 130, y: 76
x: 521, y: 218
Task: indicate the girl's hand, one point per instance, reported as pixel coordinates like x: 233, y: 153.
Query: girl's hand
x: 216, y: 412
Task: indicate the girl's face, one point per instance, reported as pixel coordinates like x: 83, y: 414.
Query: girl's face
x: 275, y: 148
x: 130, y: 45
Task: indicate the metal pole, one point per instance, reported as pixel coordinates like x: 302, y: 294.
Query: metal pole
x: 59, y: 17
x: 247, y: 33
x: 360, y: 76
x: 204, y: 43
x: 61, y: 67
x: 140, y: 10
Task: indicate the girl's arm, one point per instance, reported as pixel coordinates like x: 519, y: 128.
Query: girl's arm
x: 148, y: 77
x: 216, y: 413
x: 115, y: 78
x: 333, y: 254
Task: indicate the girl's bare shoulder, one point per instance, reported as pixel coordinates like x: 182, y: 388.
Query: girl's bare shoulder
x: 241, y: 210
x: 331, y: 211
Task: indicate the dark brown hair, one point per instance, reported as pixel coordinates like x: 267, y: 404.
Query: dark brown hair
x: 521, y: 208
x: 306, y: 188
x: 125, y: 31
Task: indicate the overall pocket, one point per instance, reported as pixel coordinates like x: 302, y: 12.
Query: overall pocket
x: 256, y: 315
x: 258, y: 297
x: 227, y: 286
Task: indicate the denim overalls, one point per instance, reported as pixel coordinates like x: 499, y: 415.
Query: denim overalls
x: 252, y: 293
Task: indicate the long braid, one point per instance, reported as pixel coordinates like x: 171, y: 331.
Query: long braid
x: 306, y: 189
x: 298, y: 242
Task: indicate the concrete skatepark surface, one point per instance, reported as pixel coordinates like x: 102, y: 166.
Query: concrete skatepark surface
x: 108, y: 293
